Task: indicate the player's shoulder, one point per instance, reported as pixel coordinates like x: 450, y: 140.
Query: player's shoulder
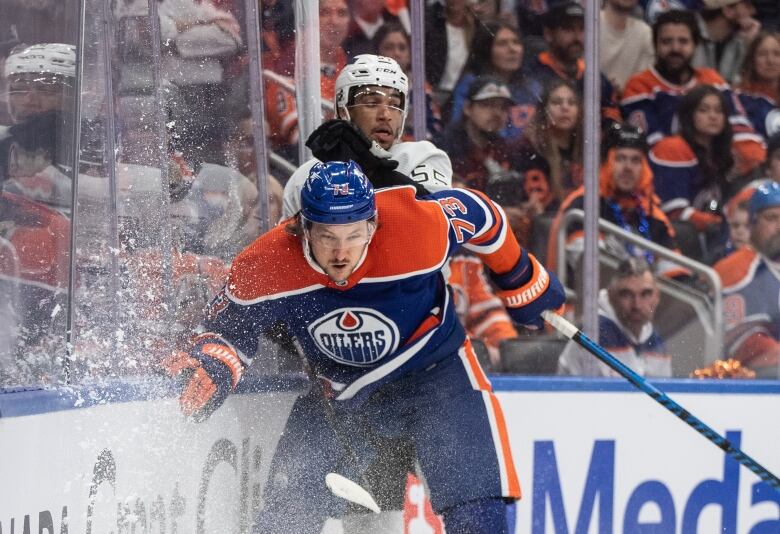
x: 415, y: 230
x: 273, y: 265
x: 673, y: 151
x: 424, y: 163
x: 738, y: 268
x: 410, y: 154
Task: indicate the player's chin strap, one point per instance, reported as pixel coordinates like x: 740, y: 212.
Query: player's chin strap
x: 575, y: 334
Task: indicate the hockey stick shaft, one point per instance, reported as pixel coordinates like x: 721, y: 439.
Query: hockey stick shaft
x: 331, y: 417
x: 575, y: 334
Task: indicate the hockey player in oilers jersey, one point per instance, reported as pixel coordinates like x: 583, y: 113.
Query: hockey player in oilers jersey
x: 370, y: 310
x: 371, y: 106
x: 751, y: 288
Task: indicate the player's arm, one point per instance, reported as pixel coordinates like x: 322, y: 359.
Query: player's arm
x: 215, y: 362
x: 479, y: 225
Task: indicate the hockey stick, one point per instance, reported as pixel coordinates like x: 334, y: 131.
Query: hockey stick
x: 339, y: 485
x: 575, y: 334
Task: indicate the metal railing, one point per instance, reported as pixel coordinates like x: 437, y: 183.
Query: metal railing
x: 703, y: 304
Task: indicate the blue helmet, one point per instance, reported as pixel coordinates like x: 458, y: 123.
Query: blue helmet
x: 337, y: 193
x: 767, y: 195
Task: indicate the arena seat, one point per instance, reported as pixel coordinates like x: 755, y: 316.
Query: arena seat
x: 533, y: 355
x: 689, y: 240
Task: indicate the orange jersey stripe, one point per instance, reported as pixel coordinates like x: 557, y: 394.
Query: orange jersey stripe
x: 513, y: 482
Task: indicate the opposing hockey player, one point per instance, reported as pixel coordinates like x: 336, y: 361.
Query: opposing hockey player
x: 368, y: 305
x: 371, y: 100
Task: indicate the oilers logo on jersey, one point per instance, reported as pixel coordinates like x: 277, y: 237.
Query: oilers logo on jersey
x: 355, y: 336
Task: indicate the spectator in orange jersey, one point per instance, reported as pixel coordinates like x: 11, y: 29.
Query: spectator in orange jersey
x: 280, y: 107
x: 479, y: 309
x: 751, y: 287
x: 626, y: 199
x: 564, y: 32
x: 759, y: 88
x: 651, y: 97
x: 694, y: 170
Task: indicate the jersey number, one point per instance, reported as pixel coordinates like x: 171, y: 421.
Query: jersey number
x: 451, y: 205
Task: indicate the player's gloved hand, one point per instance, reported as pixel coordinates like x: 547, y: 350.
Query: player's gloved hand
x: 340, y: 140
x: 528, y: 290
x: 207, y: 376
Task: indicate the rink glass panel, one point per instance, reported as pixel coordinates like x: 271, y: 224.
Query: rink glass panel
x: 37, y: 111
x: 151, y: 243
x: 167, y: 185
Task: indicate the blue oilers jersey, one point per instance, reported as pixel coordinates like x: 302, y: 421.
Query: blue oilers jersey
x: 393, y: 315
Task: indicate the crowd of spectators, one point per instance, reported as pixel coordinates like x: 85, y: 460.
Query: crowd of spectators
x: 689, y: 117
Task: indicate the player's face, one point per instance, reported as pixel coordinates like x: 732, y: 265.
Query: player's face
x: 337, y: 248
x: 507, y: 52
x: 34, y: 94
x: 767, y: 59
x: 627, y: 169
x: 377, y: 112
x: 674, y: 47
x: 334, y: 23
x: 567, y: 42
x: 634, y: 299
x: 709, y: 119
x: 765, y: 233
x: 739, y: 228
x: 489, y: 116
x: 562, y: 109
x: 395, y: 46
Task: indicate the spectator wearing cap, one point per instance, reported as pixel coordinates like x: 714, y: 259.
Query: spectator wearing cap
x: 728, y: 28
x: 498, y: 51
x: 751, y: 288
x: 625, y: 42
x: 651, y: 97
x: 626, y: 199
x: 474, y: 144
x: 626, y: 309
x: 759, y: 86
x: 564, y: 33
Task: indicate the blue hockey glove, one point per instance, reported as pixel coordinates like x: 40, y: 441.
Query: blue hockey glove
x: 535, y: 290
x: 207, y: 376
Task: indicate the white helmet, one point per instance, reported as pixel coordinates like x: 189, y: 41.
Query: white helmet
x: 368, y: 69
x: 49, y: 58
